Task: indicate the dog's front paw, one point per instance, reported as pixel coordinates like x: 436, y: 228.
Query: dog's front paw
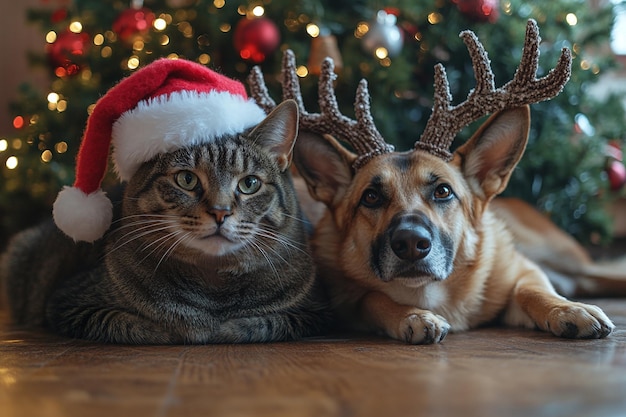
x: 422, y: 328
x: 579, y: 321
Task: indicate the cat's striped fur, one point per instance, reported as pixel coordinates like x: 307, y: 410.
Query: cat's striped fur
x: 210, y: 247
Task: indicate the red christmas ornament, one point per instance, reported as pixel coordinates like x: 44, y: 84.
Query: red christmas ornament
x: 392, y: 10
x: 617, y: 175
x: 614, y: 150
x: 58, y: 15
x: 480, y: 10
x: 254, y: 39
x: 66, y: 53
x: 132, y: 22
x: 615, y: 169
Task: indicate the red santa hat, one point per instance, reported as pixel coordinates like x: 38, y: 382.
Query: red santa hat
x: 167, y: 105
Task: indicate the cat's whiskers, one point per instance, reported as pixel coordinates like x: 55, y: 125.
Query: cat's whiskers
x: 161, y: 243
x: 270, y: 262
x: 145, y: 222
x: 267, y: 246
x: 248, y: 232
x: 267, y: 231
x: 158, y: 242
x: 172, y: 248
x: 296, y: 218
x: 152, y: 216
x: 285, y: 241
x: 148, y: 228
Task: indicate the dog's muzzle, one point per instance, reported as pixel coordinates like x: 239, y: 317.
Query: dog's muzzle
x: 411, y: 248
x: 411, y: 240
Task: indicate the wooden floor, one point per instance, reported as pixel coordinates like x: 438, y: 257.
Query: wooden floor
x: 487, y: 372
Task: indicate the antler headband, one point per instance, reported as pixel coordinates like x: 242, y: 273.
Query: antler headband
x: 360, y: 133
x: 445, y: 120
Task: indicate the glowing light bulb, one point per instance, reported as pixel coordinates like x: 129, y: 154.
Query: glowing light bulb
x: 159, y: 24
x: 46, y: 156
x: 381, y: 53
x: 61, y: 147
x: 53, y: 98
x: 571, y: 19
x: 434, y: 18
x: 76, y: 27
x: 51, y: 36
x: 18, y: 122
x: 11, y: 162
x: 133, y: 62
x: 361, y: 29
x: 313, y: 30
x: 302, y: 71
x: 258, y: 11
x: 106, y: 52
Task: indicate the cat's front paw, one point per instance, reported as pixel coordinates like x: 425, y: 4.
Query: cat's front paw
x: 422, y: 327
x: 579, y: 321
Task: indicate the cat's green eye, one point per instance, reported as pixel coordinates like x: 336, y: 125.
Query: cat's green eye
x: 186, y: 180
x: 249, y: 184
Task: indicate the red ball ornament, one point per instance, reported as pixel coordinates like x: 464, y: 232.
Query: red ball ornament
x: 480, y: 10
x: 617, y: 175
x: 58, y: 15
x: 614, y: 150
x: 133, y: 22
x: 254, y: 39
x: 67, y: 52
x: 615, y: 169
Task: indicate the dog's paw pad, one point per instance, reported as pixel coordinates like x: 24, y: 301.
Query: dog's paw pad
x: 579, y: 321
x: 423, y: 328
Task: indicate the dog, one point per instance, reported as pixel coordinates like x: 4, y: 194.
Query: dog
x: 412, y: 244
x: 409, y: 245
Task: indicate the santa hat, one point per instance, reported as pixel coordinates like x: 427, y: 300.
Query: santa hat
x: 167, y: 105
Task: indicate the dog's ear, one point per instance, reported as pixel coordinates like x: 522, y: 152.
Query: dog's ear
x: 489, y: 157
x: 325, y: 165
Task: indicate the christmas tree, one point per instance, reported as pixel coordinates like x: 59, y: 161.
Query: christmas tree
x: 573, y: 162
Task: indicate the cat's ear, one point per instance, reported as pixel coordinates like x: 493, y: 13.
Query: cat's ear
x: 278, y: 132
x: 325, y: 165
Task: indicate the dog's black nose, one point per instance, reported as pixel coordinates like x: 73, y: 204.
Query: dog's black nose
x: 411, y: 243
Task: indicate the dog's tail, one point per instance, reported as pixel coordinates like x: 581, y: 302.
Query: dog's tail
x: 569, y: 266
x: 606, y: 279
x: 593, y: 279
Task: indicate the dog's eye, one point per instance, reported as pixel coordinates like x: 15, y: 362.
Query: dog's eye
x: 371, y: 198
x: 443, y: 192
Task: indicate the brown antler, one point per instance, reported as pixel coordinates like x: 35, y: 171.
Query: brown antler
x: 446, y: 120
x: 361, y: 133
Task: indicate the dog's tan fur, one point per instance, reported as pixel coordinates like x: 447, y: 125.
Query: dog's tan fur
x: 472, y: 274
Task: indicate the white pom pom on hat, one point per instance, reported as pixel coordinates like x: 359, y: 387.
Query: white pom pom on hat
x: 167, y: 105
x: 95, y: 210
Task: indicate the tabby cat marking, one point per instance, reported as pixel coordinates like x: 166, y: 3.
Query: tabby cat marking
x: 210, y: 247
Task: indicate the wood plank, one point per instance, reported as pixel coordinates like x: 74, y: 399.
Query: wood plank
x: 486, y: 372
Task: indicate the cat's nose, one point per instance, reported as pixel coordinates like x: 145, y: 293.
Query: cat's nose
x: 220, y: 214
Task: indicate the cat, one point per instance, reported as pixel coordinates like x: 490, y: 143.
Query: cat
x: 210, y: 247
